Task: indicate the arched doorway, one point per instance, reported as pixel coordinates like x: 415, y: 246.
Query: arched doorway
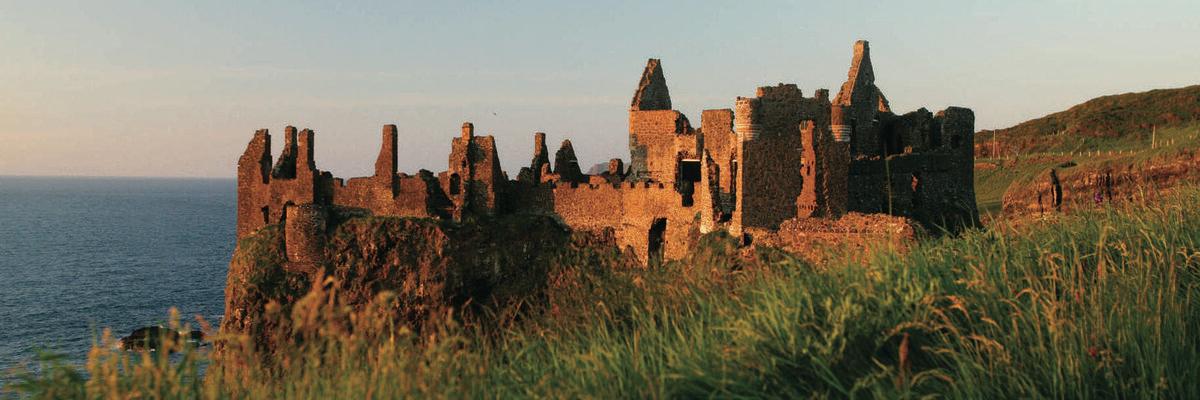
x: 658, y: 230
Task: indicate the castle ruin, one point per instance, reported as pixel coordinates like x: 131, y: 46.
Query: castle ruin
x: 772, y: 158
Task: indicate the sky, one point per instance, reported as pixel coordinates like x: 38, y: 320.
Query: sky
x: 176, y: 89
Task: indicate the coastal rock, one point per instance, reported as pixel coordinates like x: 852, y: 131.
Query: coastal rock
x: 427, y: 265
x: 154, y: 337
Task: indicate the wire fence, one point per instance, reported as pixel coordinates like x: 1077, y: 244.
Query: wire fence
x: 1090, y: 153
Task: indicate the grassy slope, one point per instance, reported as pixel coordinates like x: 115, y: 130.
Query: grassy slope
x: 1120, y: 123
x: 1088, y: 153
x: 1089, y: 305
x: 1101, y: 123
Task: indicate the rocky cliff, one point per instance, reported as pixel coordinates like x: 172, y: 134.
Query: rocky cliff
x: 428, y: 265
x: 1088, y: 186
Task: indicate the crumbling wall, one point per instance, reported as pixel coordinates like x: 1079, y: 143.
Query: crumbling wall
x: 770, y: 153
x: 774, y: 158
x: 588, y: 207
x: 824, y: 173
x: 720, y: 143
x: 934, y: 187
x: 651, y: 93
x: 388, y: 192
x: 645, y: 203
x: 413, y: 197
x: 912, y: 132
x: 655, y: 140
x: 539, y: 163
x: 566, y: 164
x: 628, y: 209
x: 710, y: 204
x: 858, y: 103
x: 474, y: 176
x: 304, y: 236
x: 265, y: 192
x: 917, y: 165
x: 254, y: 173
x: 261, y: 197
x: 853, y: 234
x: 658, y: 136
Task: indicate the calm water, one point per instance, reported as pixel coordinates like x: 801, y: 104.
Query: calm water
x: 80, y: 254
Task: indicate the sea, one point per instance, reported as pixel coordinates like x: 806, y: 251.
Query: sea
x: 79, y: 255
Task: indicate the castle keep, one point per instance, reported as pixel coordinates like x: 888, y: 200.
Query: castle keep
x: 774, y: 159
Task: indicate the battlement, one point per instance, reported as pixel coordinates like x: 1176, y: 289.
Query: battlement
x: 768, y: 159
x: 782, y: 91
x: 633, y: 186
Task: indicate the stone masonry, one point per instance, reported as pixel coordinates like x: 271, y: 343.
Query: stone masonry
x: 777, y: 158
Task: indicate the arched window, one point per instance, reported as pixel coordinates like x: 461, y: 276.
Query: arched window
x: 455, y: 184
x: 656, y: 240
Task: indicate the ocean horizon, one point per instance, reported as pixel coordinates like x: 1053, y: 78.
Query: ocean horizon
x: 81, y: 254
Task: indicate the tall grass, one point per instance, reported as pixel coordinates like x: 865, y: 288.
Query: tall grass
x: 1094, y: 305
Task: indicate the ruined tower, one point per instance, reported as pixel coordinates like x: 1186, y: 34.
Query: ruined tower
x: 474, y: 176
x: 566, y: 166
x: 304, y: 236
x: 652, y: 93
x: 773, y: 162
x: 855, y: 107
x: 656, y: 132
x: 771, y: 154
x: 385, y: 164
x: 263, y: 191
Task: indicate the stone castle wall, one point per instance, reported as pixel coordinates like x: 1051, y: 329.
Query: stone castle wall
x: 655, y: 140
x: 629, y: 209
x: 775, y: 159
x: 935, y: 185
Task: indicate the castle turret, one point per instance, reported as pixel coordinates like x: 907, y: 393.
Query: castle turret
x: 474, y: 175
x: 304, y: 236
x: 840, y: 123
x: 745, y: 124
x: 468, y: 130
x: 747, y: 128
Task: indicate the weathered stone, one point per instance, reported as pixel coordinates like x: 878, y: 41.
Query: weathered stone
x: 566, y: 165
x: 772, y: 158
x: 541, y: 156
x: 652, y: 93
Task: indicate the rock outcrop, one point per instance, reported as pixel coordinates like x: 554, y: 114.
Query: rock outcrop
x: 428, y: 265
x: 1078, y: 188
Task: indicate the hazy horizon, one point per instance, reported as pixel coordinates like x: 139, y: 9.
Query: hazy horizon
x: 176, y: 90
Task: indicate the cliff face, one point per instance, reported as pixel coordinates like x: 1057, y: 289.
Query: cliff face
x: 1083, y: 187
x: 428, y: 265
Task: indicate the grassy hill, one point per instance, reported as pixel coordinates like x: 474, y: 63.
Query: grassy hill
x: 1128, y: 132
x: 1104, y: 123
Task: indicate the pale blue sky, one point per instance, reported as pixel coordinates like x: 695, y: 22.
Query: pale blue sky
x: 177, y: 88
